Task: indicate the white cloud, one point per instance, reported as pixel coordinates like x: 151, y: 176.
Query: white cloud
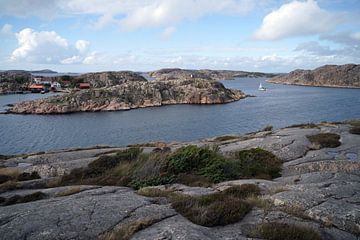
x: 295, y: 19
x: 6, y: 29
x: 82, y: 46
x: 48, y: 47
x: 128, y: 14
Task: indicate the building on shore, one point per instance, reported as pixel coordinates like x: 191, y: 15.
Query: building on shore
x: 84, y: 85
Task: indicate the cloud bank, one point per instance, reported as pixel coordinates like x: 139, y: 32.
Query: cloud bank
x: 296, y: 19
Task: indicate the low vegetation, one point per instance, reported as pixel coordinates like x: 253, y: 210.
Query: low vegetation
x: 284, y: 231
x: 355, y: 130
x: 225, y: 138
x: 69, y: 191
x: 355, y: 126
x: 13, y: 174
x: 304, y: 125
x: 325, y: 140
x: 216, y: 209
x: 25, y: 176
x: 126, y: 231
x: 268, y: 128
x: 22, y: 199
x: 190, y: 165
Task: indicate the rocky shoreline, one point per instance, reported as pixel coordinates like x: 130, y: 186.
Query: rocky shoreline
x: 317, y: 193
x: 342, y: 76
x: 130, y: 95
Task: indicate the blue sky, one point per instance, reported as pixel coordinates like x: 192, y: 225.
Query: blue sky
x: 142, y: 35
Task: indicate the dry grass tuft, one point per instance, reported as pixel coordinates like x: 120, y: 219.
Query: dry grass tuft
x: 126, y: 231
x: 69, y: 191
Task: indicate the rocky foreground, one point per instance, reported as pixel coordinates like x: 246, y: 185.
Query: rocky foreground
x: 132, y: 94
x: 318, y: 192
x: 327, y: 76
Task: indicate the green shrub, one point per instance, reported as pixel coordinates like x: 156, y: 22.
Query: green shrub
x: 190, y: 165
x: 325, y: 140
x: 190, y: 158
x: 258, y: 163
x: 283, y: 231
x: 106, y: 162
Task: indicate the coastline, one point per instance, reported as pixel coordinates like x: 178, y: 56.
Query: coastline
x: 307, y: 85
x: 318, y: 161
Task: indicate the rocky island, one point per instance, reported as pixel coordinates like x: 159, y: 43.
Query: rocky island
x: 207, y: 74
x: 347, y: 76
x: 130, y: 94
x: 299, y: 182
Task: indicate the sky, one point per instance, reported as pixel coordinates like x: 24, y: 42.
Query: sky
x: 145, y: 35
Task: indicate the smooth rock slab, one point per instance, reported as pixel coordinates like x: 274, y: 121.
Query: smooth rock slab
x: 80, y: 216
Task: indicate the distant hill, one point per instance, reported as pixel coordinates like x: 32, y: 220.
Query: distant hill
x: 177, y: 73
x: 347, y: 75
x: 44, y: 71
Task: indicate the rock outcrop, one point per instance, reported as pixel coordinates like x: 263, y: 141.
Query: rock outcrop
x: 177, y: 73
x: 328, y: 76
x: 14, y: 80
x: 319, y: 189
x: 132, y: 94
x: 106, y: 79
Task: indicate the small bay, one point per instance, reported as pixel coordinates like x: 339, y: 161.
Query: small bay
x: 279, y: 106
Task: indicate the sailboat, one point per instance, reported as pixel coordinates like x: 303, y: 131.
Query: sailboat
x: 261, y: 88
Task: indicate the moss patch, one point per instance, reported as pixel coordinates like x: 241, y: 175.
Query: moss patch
x: 325, y: 140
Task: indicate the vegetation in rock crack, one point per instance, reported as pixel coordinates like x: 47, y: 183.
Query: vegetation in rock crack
x: 284, y: 231
x: 25, y: 176
x: 126, y: 231
x: 225, y: 138
x: 216, y: 209
x: 304, y: 125
x: 325, y: 140
x: 23, y: 199
x: 190, y: 165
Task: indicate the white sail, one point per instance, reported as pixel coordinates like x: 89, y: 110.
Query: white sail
x: 261, y: 88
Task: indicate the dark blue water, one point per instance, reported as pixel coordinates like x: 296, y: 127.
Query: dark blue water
x: 280, y: 106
